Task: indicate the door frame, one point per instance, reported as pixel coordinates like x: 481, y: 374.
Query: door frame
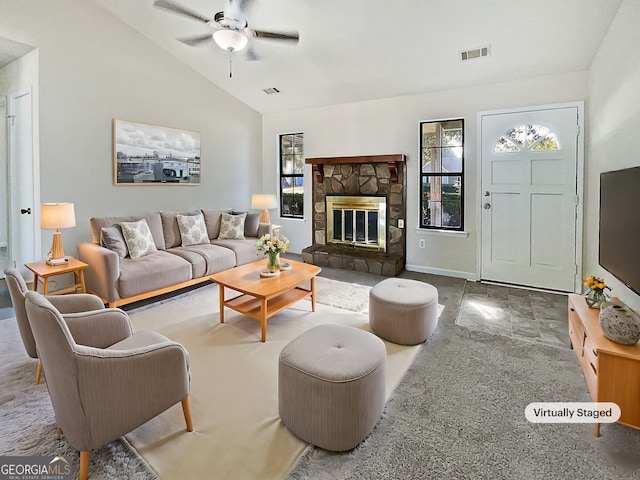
x: 579, y: 229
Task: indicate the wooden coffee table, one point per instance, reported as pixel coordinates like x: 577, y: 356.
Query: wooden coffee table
x: 264, y: 297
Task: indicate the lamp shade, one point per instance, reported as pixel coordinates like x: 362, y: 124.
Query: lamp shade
x: 231, y: 40
x: 262, y: 201
x: 57, y: 215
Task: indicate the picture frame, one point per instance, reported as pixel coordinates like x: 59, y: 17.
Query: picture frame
x: 147, y: 154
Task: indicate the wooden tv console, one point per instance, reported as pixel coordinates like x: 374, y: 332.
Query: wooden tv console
x: 612, y: 371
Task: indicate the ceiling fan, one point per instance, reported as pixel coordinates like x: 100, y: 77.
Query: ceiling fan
x: 231, y: 30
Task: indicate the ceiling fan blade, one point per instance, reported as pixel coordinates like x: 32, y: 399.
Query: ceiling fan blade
x: 292, y: 36
x: 180, y: 10
x: 196, y: 40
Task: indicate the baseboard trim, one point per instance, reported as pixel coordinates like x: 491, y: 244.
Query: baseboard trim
x: 441, y: 271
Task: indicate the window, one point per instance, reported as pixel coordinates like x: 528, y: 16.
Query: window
x: 292, y: 175
x: 442, y: 174
x: 527, y: 137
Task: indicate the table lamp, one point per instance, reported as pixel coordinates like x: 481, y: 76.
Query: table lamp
x: 54, y: 216
x: 264, y: 202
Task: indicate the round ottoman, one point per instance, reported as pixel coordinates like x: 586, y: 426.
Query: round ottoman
x: 331, y: 386
x: 403, y: 311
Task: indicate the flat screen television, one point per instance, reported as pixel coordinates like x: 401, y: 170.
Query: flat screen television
x: 619, y: 248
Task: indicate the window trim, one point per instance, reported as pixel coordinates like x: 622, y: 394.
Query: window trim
x: 292, y: 176
x: 421, y: 175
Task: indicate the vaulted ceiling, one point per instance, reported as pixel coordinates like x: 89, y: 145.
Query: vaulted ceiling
x: 355, y: 50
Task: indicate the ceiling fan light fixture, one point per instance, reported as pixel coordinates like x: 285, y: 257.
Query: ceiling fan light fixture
x: 231, y: 40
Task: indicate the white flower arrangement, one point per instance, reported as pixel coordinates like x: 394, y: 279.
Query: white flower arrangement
x: 272, y: 245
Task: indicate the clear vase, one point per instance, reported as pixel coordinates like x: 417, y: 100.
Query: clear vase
x: 594, y: 298
x: 273, y: 262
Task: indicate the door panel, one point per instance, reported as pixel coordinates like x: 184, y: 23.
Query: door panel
x: 505, y: 213
x: 529, y: 165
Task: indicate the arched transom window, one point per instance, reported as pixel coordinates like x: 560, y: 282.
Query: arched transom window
x: 527, y: 137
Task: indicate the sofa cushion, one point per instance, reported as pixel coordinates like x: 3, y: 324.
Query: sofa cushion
x: 245, y: 250
x: 153, y: 220
x: 151, y: 272
x: 138, y: 237
x: 192, y: 230
x: 213, y: 220
x: 232, y: 226
x: 206, y: 259
x: 111, y: 238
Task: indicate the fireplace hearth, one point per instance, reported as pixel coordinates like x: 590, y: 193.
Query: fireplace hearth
x: 357, y: 205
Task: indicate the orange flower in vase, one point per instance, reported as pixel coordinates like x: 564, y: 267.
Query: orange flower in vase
x: 596, y: 291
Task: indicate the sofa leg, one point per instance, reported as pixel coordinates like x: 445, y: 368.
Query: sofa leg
x: 84, y: 465
x: 186, y: 409
x: 38, y: 372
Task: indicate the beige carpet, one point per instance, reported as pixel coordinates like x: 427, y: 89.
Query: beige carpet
x: 234, y: 399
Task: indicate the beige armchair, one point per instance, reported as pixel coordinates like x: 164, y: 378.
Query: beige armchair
x: 113, y: 383
x: 64, y: 303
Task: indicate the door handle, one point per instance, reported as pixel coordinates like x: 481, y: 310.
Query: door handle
x: 25, y: 210
x: 487, y: 206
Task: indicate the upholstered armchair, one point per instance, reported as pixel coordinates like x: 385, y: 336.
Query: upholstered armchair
x: 65, y: 304
x: 113, y: 383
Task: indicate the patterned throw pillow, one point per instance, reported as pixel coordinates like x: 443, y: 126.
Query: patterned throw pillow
x: 232, y: 226
x: 138, y: 237
x: 192, y: 229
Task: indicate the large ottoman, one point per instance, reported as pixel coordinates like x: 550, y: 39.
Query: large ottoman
x: 331, y: 386
x: 403, y: 311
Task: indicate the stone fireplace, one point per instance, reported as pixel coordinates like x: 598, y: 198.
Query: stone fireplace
x: 359, y: 208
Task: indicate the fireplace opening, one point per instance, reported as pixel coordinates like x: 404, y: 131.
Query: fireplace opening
x: 357, y: 220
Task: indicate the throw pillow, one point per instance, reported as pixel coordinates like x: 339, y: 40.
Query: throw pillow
x: 192, y: 229
x: 111, y: 238
x: 232, y: 226
x: 138, y: 237
x: 251, y: 223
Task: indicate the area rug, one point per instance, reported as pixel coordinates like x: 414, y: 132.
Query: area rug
x: 348, y: 296
x: 238, y: 433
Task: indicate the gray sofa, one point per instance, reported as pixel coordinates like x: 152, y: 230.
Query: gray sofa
x: 119, y: 281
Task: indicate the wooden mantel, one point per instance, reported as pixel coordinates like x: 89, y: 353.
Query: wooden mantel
x: 391, y: 160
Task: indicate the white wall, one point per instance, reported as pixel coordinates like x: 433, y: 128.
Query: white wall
x: 614, y: 123
x: 391, y: 126
x: 94, y: 68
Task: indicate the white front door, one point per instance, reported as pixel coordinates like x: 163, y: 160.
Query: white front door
x: 529, y: 197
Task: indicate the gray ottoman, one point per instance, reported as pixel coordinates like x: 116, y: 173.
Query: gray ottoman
x: 403, y: 311
x: 331, y: 386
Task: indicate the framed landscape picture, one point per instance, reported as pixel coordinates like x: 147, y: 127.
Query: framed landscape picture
x: 146, y: 154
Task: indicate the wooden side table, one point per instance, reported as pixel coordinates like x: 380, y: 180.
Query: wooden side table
x: 44, y: 270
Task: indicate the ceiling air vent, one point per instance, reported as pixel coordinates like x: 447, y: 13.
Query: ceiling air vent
x: 270, y: 90
x: 475, y: 53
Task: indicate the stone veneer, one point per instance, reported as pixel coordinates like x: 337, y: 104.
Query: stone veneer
x: 382, y: 175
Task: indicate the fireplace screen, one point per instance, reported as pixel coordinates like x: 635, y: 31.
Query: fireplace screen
x: 359, y: 221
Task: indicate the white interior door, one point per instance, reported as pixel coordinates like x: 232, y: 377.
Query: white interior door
x: 4, y: 188
x: 530, y: 197
x: 22, y: 183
